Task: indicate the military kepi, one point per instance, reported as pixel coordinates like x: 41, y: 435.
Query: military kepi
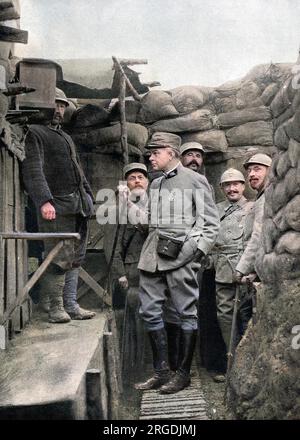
x: 191, y: 146
x: 134, y: 166
x: 162, y: 140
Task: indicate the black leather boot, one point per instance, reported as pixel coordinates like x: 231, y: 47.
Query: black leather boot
x: 158, y: 340
x: 173, y: 335
x: 182, y: 377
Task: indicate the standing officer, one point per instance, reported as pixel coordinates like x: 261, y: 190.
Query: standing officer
x: 227, y: 251
x: 183, y: 226
x: 56, y: 183
x: 257, y: 168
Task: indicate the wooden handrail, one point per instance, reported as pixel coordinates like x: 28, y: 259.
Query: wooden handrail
x: 38, y: 235
x: 52, y: 254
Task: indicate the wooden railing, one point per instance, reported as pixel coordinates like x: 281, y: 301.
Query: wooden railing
x: 62, y: 237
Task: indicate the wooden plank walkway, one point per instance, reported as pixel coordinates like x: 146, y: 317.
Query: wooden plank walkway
x: 185, y: 405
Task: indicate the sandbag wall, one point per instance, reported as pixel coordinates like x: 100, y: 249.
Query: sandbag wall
x: 96, y: 130
x: 280, y: 256
x: 264, y: 382
x: 232, y: 121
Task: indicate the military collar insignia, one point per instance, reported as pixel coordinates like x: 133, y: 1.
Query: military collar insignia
x: 170, y: 174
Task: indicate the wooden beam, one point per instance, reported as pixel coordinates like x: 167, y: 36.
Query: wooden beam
x: 52, y: 254
x: 132, y: 61
x: 95, y: 410
x: 9, y: 14
x: 39, y: 235
x: 5, y: 4
x: 152, y: 84
x: 124, y: 142
x: 95, y: 287
x: 12, y: 35
x: 41, y: 269
x: 134, y: 93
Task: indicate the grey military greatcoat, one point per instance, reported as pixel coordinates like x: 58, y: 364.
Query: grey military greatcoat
x: 196, y: 226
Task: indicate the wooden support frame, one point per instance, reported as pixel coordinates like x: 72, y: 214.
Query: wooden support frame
x: 24, y: 292
x: 63, y: 237
x: 118, y: 66
x: 92, y: 283
x: 12, y: 35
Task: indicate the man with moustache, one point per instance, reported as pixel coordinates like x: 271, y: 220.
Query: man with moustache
x: 55, y: 182
x: 226, y: 253
x: 130, y: 236
x: 257, y: 167
x: 170, y: 259
x: 130, y: 240
x: 192, y: 156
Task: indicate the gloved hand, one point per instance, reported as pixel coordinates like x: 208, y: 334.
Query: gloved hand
x: 123, y: 282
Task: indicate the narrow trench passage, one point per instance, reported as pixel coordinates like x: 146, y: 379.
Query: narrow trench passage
x: 203, y: 400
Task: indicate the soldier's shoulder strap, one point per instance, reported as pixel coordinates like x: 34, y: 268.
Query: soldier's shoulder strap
x: 229, y: 211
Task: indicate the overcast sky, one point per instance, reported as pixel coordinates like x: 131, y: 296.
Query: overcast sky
x: 203, y: 42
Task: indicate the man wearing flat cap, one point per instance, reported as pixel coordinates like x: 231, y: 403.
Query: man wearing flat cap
x: 183, y: 226
x: 130, y: 237
x: 257, y: 168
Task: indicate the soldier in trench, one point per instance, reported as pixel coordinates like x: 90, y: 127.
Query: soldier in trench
x: 170, y: 258
x: 130, y: 237
x: 257, y: 168
x: 55, y: 182
x: 226, y: 253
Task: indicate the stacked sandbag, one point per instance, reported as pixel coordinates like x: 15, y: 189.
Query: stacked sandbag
x: 199, y: 120
x: 87, y: 116
x: 251, y: 133
x: 245, y: 108
x: 188, y: 111
x: 156, y: 105
x: 107, y: 139
x: 245, y: 119
x: 280, y: 256
x: 187, y: 99
x: 213, y: 140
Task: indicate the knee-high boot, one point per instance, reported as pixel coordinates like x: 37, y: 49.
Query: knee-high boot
x: 182, y: 377
x: 158, y: 341
x: 173, y: 335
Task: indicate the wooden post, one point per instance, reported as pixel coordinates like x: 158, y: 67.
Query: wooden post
x: 124, y: 142
x: 134, y: 93
x: 95, y: 410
